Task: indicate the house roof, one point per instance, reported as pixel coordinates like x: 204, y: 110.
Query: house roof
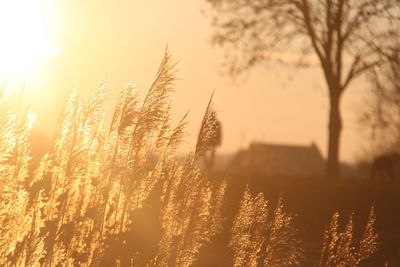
x: 282, y: 160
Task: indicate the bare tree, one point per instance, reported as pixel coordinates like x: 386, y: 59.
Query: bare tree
x: 345, y: 35
x: 382, y: 112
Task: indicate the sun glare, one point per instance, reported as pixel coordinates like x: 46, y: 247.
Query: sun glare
x: 25, y: 32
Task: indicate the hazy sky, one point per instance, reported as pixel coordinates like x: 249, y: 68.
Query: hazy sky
x: 124, y: 41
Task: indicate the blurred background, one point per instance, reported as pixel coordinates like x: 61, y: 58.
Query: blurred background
x: 124, y: 42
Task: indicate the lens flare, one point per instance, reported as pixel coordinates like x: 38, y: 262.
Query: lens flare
x: 25, y: 31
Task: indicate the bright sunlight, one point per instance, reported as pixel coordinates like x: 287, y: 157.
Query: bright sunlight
x: 25, y: 30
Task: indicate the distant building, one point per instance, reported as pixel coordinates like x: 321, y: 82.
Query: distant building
x: 273, y: 160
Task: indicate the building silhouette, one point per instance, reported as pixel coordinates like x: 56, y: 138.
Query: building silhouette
x: 278, y: 160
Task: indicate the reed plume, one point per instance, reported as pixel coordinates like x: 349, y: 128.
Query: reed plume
x: 339, y: 247
x: 256, y: 239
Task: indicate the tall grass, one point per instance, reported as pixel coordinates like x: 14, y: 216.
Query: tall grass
x: 101, y: 188
x: 340, y: 247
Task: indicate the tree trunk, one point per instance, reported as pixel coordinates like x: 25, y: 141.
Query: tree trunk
x: 335, y: 127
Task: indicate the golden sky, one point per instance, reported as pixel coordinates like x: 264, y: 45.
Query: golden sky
x: 124, y: 41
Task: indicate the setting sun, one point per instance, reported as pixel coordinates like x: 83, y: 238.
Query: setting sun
x: 25, y: 30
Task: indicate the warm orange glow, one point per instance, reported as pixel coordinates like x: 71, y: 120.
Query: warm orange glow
x: 25, y: 32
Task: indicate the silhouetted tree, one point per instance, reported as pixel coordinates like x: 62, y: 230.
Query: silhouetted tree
x: 382, y: 112
x: 345, y: 35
